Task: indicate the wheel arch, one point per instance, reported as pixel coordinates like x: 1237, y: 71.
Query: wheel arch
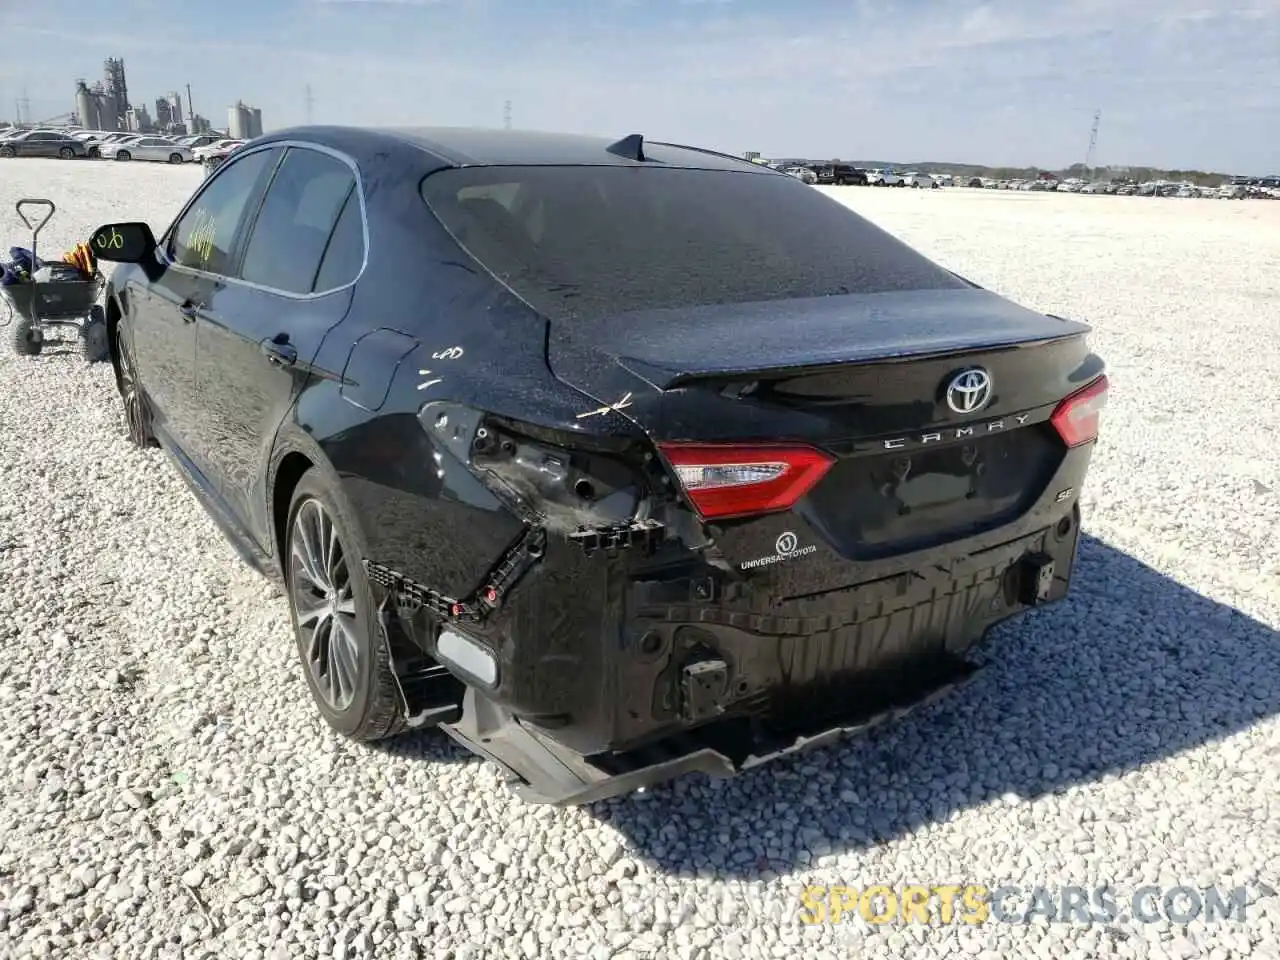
x: 114, y: 315
x: 295, y: 453
x: 291, y: 468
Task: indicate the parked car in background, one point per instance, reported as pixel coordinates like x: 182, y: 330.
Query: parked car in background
x: 213, y: 157
x: 108, y: 146
x: 197, y: 141
x: 803, y: 174
x: 43, y: 143
x: 920, y: 181
x: 217, y: 146
x: 884, y: 178
x: 589, y: 507
x: 160, y: 149
x: 840, y: 175
x: 92, y: 139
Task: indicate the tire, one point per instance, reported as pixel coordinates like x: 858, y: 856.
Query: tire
x: 26, y: 339
x: 94, y: 344
x: 66, y: 153
x: 133, y: 397
x: 8, y: 152
x: 368, y: 707
x: 175, y: 158
x: 124, y: 155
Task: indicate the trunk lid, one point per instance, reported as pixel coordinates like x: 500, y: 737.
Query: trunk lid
x: 864, y: 378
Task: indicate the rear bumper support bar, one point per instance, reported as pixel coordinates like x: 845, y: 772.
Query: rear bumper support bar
x: 542, y: 771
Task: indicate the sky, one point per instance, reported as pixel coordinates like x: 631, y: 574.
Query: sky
x: 1189, y: 84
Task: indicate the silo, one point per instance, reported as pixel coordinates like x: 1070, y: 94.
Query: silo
x: 86, y: 106
x: 108, y: 116
x: 238, y: 120
x: 255, y: 126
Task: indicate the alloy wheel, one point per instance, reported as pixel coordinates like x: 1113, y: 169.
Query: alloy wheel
x: 135, y: 411
x: 324, y: 605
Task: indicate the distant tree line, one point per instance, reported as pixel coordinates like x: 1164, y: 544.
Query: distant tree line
x: 1200, y: 178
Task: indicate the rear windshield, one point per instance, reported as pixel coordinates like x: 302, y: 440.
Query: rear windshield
x: 580, y: 243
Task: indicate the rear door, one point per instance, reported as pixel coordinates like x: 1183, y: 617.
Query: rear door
x: 153, y: 148
x: 294, y: 280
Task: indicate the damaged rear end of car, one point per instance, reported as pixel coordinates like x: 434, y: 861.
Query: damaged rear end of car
x: 802, y: 481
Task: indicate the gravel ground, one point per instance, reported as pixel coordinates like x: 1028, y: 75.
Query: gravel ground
x: 167, y: 790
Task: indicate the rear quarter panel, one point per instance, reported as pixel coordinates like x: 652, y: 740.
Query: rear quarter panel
x: 457, y: 336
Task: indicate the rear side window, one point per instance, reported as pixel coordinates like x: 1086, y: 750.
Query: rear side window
x: 581, y: 243
x: 297, y: 216
x: 345, y: 254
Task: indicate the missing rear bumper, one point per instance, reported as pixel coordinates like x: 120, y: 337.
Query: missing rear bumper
x: 543, y: 771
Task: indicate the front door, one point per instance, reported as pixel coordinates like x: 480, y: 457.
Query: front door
x: 294, y: 283
x: 198, y: 252
x: 42, y: 145
x: 162, y: 336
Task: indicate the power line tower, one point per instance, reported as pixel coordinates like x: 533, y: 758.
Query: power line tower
x: 310, y: 101
x: 506, y: 115
x: 1093, y: 143
x: 24, y: 107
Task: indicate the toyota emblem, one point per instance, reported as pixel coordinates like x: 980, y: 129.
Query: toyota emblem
x: 969, y: 391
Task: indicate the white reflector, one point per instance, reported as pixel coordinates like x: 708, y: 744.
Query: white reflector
x: 468, y: 656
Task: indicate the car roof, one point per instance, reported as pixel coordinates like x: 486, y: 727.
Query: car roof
x: 474, y: 146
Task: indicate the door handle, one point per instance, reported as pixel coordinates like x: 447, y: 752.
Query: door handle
x: 279, y: 354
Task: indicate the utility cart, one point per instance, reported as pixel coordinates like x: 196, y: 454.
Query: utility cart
x: 61, y: 298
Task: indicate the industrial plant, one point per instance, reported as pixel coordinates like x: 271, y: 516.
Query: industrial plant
x: 243, y: 123
x: 105, y: 105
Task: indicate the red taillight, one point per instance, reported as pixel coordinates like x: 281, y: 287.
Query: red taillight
x: 732, y: 481
x: 1076, y: 418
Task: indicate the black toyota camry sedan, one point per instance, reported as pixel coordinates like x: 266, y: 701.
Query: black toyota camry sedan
x: 614, y: 459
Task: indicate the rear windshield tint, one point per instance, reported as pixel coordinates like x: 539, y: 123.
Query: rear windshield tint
x: 580, y: 243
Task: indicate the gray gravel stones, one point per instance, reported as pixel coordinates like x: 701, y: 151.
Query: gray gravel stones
x: 168, y: 791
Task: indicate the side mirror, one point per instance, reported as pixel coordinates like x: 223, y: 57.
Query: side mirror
x: 123, y: 242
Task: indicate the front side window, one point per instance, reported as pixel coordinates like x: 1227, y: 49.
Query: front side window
x: 205, y: 236
x: 298, y: 215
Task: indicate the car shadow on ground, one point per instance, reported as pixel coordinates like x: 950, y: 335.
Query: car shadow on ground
x: 1132, y: 668
x: 427, y: 746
